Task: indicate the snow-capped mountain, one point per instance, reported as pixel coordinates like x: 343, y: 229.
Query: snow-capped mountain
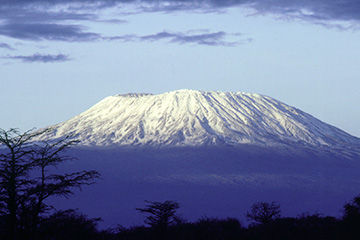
x: 214, y: 152
x: 193, y: 118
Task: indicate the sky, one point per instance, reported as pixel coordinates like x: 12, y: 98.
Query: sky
x: 60, y: 57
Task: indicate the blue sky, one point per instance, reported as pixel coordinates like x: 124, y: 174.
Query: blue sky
x: 58, y: 58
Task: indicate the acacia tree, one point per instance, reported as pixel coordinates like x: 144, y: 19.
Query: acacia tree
x: 264, y: 212
x: 25, y: 180
x: 162, y: 215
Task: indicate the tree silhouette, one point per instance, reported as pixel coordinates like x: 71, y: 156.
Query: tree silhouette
x: 162, y: 215
x: 69, y: 225
x: 352, y: 210
x: 351, y: 219
x: 25, y: 182
x: 263, y: 212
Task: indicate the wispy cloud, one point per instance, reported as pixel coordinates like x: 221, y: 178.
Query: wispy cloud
x: 203, y: 38
x: 112, y: 21
x: 339, y: 14
x: 5, y: 45
x: 43, y: 20
x: 324, y: 9
x: 53, y: 19
x: 40, y: 58
x: 43, y: 31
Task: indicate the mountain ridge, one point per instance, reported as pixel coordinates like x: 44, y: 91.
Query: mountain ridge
x: 197, y: 118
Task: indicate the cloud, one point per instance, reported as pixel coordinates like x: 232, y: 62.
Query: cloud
x: 44, y: 31
x: 39, y: 13
x: 113, y: 21
x: 53, y: 19
x: 39, y: 20
x: 343, y: 10
x: 44, y: 22
x: 5, y: 45
x: 210, y: 39
x: 41, y: 58
x: 321, y: 12
x: 339, y: 14
x: 203, y: 38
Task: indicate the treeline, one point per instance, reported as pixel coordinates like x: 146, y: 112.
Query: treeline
x: 27, y: 181
x: 162, y: 223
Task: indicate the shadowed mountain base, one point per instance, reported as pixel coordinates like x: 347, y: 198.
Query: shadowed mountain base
x: 212, y: 181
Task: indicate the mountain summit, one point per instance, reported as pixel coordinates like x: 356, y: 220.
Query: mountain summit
x: 193, y: 118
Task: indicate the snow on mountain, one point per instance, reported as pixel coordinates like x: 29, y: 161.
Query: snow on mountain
x: 249, y: 148
x: 194, y: 118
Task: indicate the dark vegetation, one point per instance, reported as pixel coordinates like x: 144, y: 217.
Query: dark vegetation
x: 26, y: 182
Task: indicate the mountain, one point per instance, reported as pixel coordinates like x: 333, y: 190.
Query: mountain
x: 214, y: 152
x: 197, y: 118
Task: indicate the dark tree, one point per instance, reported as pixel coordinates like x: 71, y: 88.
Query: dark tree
x: 25, y: 181
x: 214, y: 229
x: 352, y: 210
x: 69, y: 225
x: 162, y: 215
x: 351, y: 219
x: 263, y: 212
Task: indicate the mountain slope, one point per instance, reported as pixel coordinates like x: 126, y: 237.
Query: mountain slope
x: 192, y: 118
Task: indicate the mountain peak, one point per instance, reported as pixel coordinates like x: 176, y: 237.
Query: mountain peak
x: 134, y: 95
x: 193, y: 118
